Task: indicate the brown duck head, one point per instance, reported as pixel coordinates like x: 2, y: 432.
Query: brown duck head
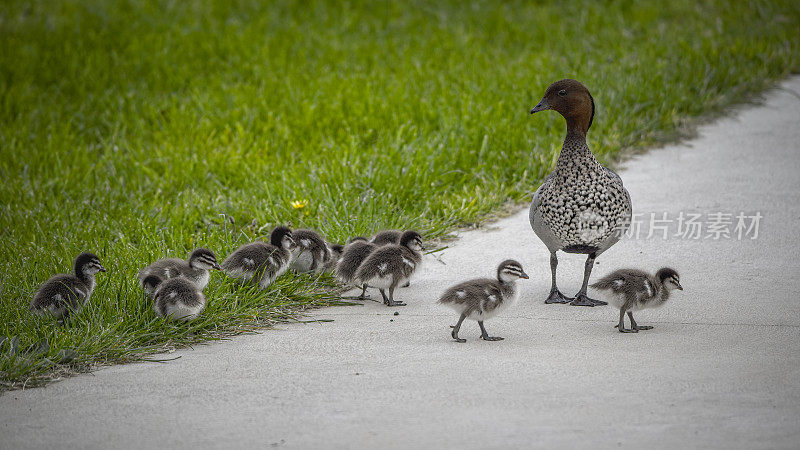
x: 573, y: 101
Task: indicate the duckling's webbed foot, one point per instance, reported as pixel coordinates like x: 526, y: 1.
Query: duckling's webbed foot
x: 636, y: 326
x: 627, y: 330
x: 485, y: 336
x: 557, y: 297
x: 362, y: 296
x: 457, y: 327
x: 389, y: 301
x: 583, y: 300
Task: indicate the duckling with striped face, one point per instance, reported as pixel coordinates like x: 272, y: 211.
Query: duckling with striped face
x: 392, y: 265
x: 261, y: 262
x: 634, y: 290
x: 177, y: 298
x: 195, y: 269
x: 581, y: 207
x: 483, y: 298
x: 310, y: 253
x: 64, y: 295
x: 354, y: 253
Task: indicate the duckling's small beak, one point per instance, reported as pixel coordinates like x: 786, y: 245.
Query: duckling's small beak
x: 102, y: 269
x: 524, y: 275
x: 680, y: 288
x: 217, y: 266
x: 541, y: 106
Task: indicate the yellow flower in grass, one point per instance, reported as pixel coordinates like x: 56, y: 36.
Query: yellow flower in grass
x: 299, y: 204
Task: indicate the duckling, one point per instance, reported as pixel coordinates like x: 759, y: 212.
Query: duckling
x: 194, y: 269
x: 150, y: 284
x: 261, y: 262
x: 391, y: 265
x: 177, y: 298
x: 633, y: 290
x: 355, y: 252
x: 64, y: 294
x: 310, y: 253
x: 581, y: 207
x: 483, y: 298
x: 386, y: 237
x: 334, y: 252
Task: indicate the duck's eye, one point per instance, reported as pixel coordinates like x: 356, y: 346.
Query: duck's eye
x: 562, y: 93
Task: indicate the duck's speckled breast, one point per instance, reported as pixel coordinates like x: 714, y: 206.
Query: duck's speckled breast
x: 584, y: 204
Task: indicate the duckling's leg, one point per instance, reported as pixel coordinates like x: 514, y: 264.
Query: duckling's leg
x: 635, y: 326
x: 621, y: 324
x: 385, y: 298
x: 456, y: 328
x: 485, y: 336
x: 582, y: 299
x: 555, y: 295
x: 391, y: 298
x: 362, y: 296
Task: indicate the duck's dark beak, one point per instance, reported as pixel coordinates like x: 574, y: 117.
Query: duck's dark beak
x: 680, y: 288
x: 541, y: 106
x: 217, y: 266
x: 524, y: 275
x: 102, y: 269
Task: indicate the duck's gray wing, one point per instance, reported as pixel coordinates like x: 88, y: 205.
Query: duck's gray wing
x: 537, y: 223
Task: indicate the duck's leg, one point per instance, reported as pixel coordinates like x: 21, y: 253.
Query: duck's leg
x: 582, y: 299
x: 391, y: 298
x: 485, y: 336
x: 635, y: 326
x: 621, y: 324
x: 555, y: 295
x: 457, y: 327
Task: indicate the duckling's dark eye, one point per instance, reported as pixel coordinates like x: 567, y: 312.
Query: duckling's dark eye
x: 562, y: 93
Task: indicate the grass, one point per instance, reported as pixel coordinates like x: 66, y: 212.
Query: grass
x: 137, y: 129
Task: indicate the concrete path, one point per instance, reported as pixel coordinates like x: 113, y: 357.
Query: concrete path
x: 721, y: 369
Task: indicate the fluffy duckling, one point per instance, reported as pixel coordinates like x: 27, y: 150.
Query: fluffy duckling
x: 177, y: 298
x: 386, y: 237
x: 261, y: 262
x: 355, y: 252
x: 64, y: 294
x: 335, y: 251
x: 150, y: 284
x: 581, y: 207
x: 391, y: 265
x: 483, y: 298
x: 311, y: 252
x: 194, y: 269
x: 633, y: 290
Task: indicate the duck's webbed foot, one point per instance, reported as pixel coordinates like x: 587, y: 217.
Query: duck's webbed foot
x: 583, y: 300
x: 557, y: 297
x: 395, y: 303
x: 626, y: 330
